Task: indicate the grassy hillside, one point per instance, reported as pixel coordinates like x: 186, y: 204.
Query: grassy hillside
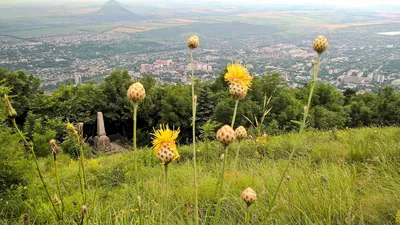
x: 337, y: 177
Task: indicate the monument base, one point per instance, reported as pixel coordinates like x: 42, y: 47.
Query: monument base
x: 102, y: 144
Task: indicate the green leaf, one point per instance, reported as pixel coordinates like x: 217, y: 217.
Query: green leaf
x: 296, y: 122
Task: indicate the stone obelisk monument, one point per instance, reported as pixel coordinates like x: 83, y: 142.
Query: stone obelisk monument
x: 101, y: 141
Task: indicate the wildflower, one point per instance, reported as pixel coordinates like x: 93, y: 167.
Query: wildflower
x: 313, y: 62
x: 239, y: 80
x: 9, y: 110
x: 249, y: 196
x: 56, y: 200
x: 164, y: 143
x: 71, y: 129
x: 320, y: 44
x: 136, y: 92
x: 226, y: 135
x: 84, y: 209
x: 193, y: 42
x: 241, y: 133
x: 53, y: 145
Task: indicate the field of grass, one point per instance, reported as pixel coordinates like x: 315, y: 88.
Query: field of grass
x: 40, y: 31
x: 337, y: 177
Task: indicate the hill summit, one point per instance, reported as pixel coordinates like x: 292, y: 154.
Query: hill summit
x: 113, y: 11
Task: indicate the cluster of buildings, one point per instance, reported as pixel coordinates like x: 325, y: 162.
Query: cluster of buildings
x: 361, y: 63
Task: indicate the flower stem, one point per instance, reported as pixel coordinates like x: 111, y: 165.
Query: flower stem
x: 37, y: 168
x: 247, y: 220
x: 166, y: 193
x: 315, y: 71
x: 140, y: 211
x: 233, y: 171
x: 83, y: 174
x: 196, y: 205
x: 135, y: 156
x: 58, y: 185
x: 221, y: 184
x: 234, y: 113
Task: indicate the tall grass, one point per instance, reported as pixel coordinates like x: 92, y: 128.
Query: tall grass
x: 328, y: 184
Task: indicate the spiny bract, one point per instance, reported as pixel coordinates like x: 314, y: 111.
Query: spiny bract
x: 193, y: 42
x: 249, y: 196
x: 320, y: 44
x: 136, y: 92
x: 241, y: 133
x: 226, y: 135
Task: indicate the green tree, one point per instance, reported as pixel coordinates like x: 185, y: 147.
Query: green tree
x: 24, y: 89
x: 205, y: 105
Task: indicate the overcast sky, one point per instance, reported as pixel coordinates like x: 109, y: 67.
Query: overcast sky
x: 350, y: 3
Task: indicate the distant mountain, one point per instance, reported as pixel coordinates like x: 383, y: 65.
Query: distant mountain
x: 113, y: 11
x: 112, y: 3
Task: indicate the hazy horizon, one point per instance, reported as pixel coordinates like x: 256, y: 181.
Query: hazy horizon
x: 340, y: 3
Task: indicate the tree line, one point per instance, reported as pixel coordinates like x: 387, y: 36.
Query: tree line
x: 42, y: 115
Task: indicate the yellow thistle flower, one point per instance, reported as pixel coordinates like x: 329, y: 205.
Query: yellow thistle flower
x: 9, y: 110
x: 71, y: 129
x: 238, y: 74
x: 164, y: 140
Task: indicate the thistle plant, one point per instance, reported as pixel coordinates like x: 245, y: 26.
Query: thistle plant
x: 226, y: 136
x: 73, y: 133
x: 11, y: 114
x: 320, y: 45
x: 193, y: 43
x: 249, y: 196
x: 239, y: 83
x: 136, y: 94
x: 164, y: 144
x: 54, y: 149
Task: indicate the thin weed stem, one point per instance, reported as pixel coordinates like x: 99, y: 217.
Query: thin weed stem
x: 233, y: 171
x: 196, y: 205
x: 83, y: 174
x: 166, y: 192
x: 58, y: 185
x: 135, y: 156
x: 220, y: 187
x: 37, y: 168
x: 315, y: 71
x: 234, y: 113
x: 247, y: 217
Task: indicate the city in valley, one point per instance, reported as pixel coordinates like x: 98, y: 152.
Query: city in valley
x: 85, y: 43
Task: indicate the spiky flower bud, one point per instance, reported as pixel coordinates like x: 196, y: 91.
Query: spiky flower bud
x: 166, y: 154
x: 56, y: 200
x: 136, y: 92
x: 241, y: 133
x: 9, y: 110
x: 226, y: 135
x: 237, y: 91
x: 249, y: 196
x: 53, y: 146
x: 84, y: 209
x: 193, y: 42
x: 313, y: 62
x: 320, y: 44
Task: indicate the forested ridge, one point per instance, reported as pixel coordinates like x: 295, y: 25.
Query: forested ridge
x: 42, y: 115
